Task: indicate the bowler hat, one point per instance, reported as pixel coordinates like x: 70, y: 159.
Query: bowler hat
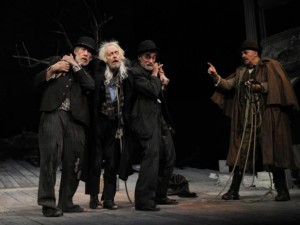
x: 250, y: 45
x: 147, y: 46
x: 87, y: 42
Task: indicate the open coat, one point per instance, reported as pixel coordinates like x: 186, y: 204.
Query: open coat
x: 276, y: 143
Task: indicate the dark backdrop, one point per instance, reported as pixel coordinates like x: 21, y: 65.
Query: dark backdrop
x: 189, y: 34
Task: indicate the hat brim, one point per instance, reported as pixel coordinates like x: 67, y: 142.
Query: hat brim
x: 250, y: 48
x: 148, y: 50
x: 86, y: 46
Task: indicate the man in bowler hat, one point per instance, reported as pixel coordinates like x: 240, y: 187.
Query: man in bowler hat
x: 155, y: 140
x: 259, y: 102
x: 64, y: 117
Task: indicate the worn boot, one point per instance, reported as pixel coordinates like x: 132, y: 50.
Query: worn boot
x: 282, y: 195
x: 110, y: 204
x: 233, y: 192
x: 94, y: 202
x: 280, y: 183
x: 231, y: 195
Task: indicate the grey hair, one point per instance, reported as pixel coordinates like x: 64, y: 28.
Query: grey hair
x: 102, y: 56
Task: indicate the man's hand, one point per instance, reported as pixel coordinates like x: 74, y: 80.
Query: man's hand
x: 212, y: 70
x: 70, y: 59
x: 254, y: 85
x: 57, y: 70
x: 213, y: 73
x: 165, y: 81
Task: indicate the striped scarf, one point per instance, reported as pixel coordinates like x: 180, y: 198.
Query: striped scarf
x: 114, y: 108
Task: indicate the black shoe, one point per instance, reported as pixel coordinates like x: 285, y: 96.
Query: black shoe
x: 51, y: 212
x: 74, y: 209
x: 109, y: 204
x: 94, y: 202
x: 165, y: 201
x: 231, y: 195
x: 148, y: 208
x: 283, y: 195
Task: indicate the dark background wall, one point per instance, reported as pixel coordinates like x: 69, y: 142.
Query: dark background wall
x: 189, y: 34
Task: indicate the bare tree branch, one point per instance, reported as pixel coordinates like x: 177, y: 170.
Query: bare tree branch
x: 96, y: 25
x: 30, y: 62
x: 63, y: 32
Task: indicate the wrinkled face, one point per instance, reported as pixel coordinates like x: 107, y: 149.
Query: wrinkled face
x: 83, y: 55
x: 113, y: 57
x: 250, y: 57
x: 147, y: 60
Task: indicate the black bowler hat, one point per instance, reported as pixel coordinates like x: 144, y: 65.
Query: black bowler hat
x: 147, y: 46
x: 250, y: 45
x: 87, y: 42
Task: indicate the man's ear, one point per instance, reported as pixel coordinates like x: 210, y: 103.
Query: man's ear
x: 75, y: 51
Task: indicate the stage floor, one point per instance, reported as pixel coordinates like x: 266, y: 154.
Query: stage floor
x: 18, y: 203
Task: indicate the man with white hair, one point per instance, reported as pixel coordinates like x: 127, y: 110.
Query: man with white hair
x: 110, y: 112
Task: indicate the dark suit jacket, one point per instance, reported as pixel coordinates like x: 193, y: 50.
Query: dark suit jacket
x: 54, y: 92
x: 144, y: 113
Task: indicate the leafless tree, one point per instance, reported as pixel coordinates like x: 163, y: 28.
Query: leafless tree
x: 96, y: 23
